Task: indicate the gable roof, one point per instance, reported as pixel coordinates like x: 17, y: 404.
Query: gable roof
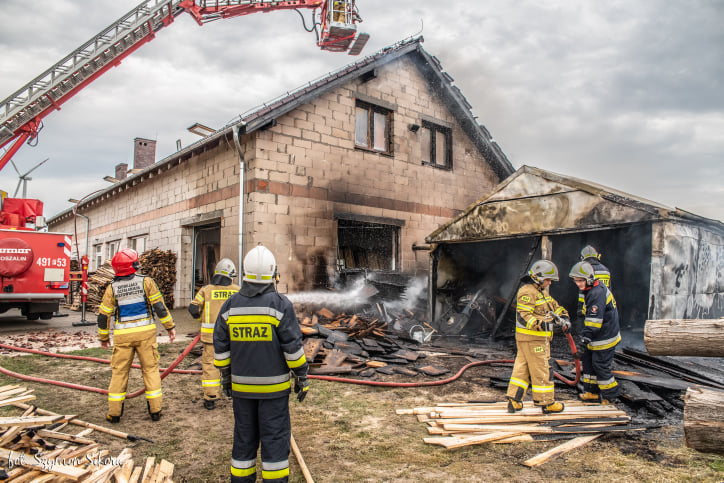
x: 534, y: 202
x: 261, y: 116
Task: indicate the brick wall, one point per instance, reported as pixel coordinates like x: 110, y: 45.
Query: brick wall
x: 299, y: 173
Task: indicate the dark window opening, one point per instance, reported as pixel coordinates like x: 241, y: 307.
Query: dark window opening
x: 436, y: 145
x: 370, y: 246
x: 373, y: 128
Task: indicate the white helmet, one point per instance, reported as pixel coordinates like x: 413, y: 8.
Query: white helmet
x: 588, y: 252
x: 583, y: 270
x: 543, y: 270
x: 226, y: 268
x: 259, y: 266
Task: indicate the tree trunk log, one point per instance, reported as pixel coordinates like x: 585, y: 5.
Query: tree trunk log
x: 685, y: 337
x: 704, y: 419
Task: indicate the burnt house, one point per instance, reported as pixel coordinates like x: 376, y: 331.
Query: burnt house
x: 341, y: 178
x: 664, y: 262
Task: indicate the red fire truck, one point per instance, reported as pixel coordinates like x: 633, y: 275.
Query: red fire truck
x: 34, y: 265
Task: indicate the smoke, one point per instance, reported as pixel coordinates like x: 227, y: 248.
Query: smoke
x: 356, y: 294
x: 415, y: 293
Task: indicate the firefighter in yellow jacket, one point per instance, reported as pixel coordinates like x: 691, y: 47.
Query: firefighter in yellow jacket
x: 536, y: 313
x: 133, y: 299
x: 205, y: 306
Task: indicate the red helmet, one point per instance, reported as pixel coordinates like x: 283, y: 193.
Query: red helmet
x: 125, y: 262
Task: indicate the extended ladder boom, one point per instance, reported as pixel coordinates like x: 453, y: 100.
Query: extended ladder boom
x: 21, y: 113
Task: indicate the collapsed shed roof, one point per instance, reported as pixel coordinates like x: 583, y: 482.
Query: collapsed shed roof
x: 535, y: 201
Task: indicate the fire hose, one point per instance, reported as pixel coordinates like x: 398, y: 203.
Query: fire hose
x: 23, y: 377
x: 172, y: 368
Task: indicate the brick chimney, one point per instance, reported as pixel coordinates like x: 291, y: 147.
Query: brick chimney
x: 121, y: 171
x: 144, y: 153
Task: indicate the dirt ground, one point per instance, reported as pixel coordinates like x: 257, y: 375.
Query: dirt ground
x: 348, y: 432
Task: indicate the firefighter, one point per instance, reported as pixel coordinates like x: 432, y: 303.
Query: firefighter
x: 132, y: 299
x: 205, y: 306
x: 599, y: 337
x: 590, y: 254
x: 258, y: 347
x: 536, y: 312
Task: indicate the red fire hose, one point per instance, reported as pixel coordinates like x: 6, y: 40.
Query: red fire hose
x: 576, y: 358
x: 172, y: 367
x: 23, y: 377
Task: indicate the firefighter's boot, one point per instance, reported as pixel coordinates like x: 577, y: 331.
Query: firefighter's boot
x: 589, y: 397
x: 514, y: 405
x: 115, y: 419
x: 209, y: 404
x: 556, y: 407
x: 154, y: 416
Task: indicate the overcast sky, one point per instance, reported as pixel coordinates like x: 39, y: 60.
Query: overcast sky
x: 625, y: 94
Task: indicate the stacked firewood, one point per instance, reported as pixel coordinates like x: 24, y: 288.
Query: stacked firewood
x: 161, y: 267
x: 155, y: 263
x: 454, y: 425
x: 37, y: 448
x: 354, y: 344
x: 97, y: 283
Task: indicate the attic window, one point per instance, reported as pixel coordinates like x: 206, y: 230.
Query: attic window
x: 373, y: 128
x: 436, y: 145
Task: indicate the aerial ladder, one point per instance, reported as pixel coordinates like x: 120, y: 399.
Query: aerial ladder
x: 22, y: 113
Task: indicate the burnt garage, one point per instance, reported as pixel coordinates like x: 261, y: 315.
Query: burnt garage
x: 664, y: 262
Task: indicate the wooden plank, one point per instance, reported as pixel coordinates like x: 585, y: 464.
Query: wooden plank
x: 16, y: 400
x: 311, y: 348
x: 136, y: 475
x: 12, y: 392
x: 334, y: 358
x: 67, y: 471
x: 450, y: 442
x: 45, y: 433
x: 25, y: 421
x: 559, y: 450
x: 147, y: 469
x: 326, y: 313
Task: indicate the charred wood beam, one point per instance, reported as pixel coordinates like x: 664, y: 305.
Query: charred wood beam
x: 629, y: 359
x: 673, y: 365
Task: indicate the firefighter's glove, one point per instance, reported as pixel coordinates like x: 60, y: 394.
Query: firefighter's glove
x: 226, y: 380
x: 581, y: 347
x: 565, y: 325
x: 301, y: 386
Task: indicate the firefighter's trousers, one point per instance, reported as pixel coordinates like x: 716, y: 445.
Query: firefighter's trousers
x: 266, y: 421
x: 597, y: 377
x: 210, y: 376
x: 121, y: 360
x: 532, y: 369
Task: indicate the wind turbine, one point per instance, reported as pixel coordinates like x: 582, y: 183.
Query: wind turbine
x: 24, y: 178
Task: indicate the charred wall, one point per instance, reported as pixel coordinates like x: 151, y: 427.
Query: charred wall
x: 496, y: 266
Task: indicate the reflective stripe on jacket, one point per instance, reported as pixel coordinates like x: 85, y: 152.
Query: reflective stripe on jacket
x: 210, y: 298
x: 531, y: 308
x: 130, y: 299
x: 259, y: 338
x: 601, y: 324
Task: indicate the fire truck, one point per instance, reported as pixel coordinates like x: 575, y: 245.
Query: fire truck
x: 34, y: 265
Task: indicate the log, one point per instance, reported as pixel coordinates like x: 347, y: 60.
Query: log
x: 704, y: 419
x: 685, y: 337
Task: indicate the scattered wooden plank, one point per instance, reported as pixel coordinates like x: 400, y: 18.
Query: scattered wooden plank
x: 71, y: 472
x: 28, y: 421
x: 559, y: 450
x: 451, y: 442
